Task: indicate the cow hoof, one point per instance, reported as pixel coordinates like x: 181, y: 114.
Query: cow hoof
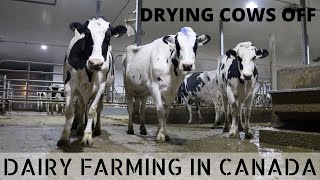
x: 189, y: 122
x: 161, y: 138
x: 97, y: 132
x: 233, y: 135
x: 87, y: 139
x: 87, y: 142
x: 248, y: 134
x: 225, y: 129
x: 63, y: 142
x: 130, y: 131
x: 143, y: 132
x: 167, y: 138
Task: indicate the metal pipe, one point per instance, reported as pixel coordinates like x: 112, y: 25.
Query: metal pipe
x: 27, y: 83
x: 273, y: 62
x: 41, y: 63
x: 22, y: 99
x: 305, y: 40
x: 138, y: 23
x: 98, y: 8
x: 221, y: 37
x: 32, y: 90
x: 39, y: 2
x: 33, y: 72
x: 4, y: 92
x: 36, y: 81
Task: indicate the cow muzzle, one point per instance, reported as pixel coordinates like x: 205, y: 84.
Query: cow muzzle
x: 247, y: 76
x: 95, y: 65
x: 187, y: 67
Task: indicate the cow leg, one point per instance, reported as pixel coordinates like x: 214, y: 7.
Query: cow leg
x: 38, y: 106
x: 97, y: 128
x: 65, y: 137
x: 189, y: 107
x: 167, y: 109
x: 247, y: 112
x: 136, y: 109
x: 217, y: 116
x: 226, y: 127
x: 143, y: 130
x: 130, y: 111
x: 161, y: 137
x: 199, y: 113
x: 92, y: 115
x: 234, y: 113
x: 79, y: 116
x: 48, y: 107
x: 51, y: 105
x: 240, y: 113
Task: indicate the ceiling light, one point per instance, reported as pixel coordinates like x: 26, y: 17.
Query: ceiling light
x: 44, y: 47
x: 251, y: 5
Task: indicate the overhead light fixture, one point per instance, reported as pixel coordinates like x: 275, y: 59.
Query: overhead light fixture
x: 44, y: 47
x: 251, y: 5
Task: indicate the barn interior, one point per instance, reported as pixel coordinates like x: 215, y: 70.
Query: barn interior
x: 34, y: 38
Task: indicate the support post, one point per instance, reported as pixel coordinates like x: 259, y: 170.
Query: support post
x: 305, y: 39
x: 113, y: 90
x: 221, y: 38
x: 138, y: 23
x: 4, y: 93
x: 273, y: 62
x: 98, y: 8
x: 27, y: 83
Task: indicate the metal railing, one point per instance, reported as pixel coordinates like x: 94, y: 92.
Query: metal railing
x: 263, y: 96
x: 13, y: 91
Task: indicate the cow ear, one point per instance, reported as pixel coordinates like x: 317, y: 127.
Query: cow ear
x: 118, y: 31
x: 231, y: 52
x: 203, y: 39
x: 168, y: 39
x: 76, y: 25
x: 262, y: 53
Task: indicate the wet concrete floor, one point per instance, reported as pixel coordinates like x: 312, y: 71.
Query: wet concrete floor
x: 39, y: 132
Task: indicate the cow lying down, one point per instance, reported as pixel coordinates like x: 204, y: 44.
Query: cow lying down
x: 237, y: 75
x: 156, y: 70
x: 201, y: 87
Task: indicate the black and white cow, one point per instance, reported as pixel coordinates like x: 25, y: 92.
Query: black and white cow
x: 87, y: 72
x: 41, y: 104
x: 157, y: 69
x: 56, y: 94
x: 237, y: 75
x: 201, y: 87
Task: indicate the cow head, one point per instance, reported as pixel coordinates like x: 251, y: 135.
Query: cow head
x: 95, y: 44
x: 246, y: 54
x: 186, y: 43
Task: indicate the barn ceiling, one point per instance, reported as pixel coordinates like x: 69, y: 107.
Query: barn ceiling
x: 27, y: 26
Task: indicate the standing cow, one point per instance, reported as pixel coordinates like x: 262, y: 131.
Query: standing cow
x: 56, y: 94
x: 201, y: 87
x: 87, y: 69
x: 157, y: 69
x: 237, y: 75
x: 41, y: 104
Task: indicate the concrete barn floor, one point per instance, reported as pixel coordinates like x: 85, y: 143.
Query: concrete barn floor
x: 39, y: 132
